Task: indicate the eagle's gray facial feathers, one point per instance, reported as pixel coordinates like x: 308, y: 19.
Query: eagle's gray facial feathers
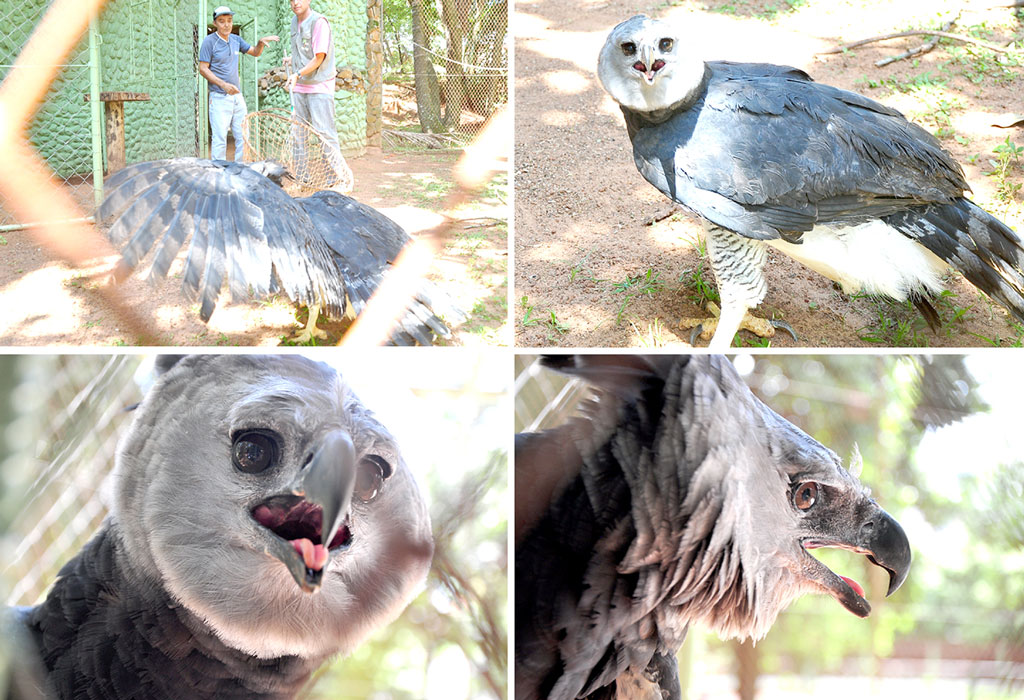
x: 645, y: 66
x: 677, y: 497
x: 190, y: 520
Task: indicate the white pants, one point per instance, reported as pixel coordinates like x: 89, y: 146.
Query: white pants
x: 225, y: 111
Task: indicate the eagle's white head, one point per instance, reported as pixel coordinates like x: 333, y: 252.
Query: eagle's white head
x: 644, y: 66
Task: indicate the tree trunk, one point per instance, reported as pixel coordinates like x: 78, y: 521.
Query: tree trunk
x: 428, y: 94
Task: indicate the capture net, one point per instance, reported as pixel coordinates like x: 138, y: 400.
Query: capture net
x: 275, y: 134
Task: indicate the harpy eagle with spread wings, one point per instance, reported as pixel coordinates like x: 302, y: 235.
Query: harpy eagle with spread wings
x: 767, y: 157
x: 263, y: 521
x: 326, y: 251
x: 677, y: 497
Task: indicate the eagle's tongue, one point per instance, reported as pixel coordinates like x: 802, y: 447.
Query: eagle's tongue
x: 853, y: 584
x: 314, y: 555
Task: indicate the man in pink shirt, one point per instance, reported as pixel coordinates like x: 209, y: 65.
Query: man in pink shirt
x: 312, y: 84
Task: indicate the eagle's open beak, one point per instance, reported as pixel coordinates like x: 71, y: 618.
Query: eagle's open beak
x: 882, y: 540
x: 311, y: 520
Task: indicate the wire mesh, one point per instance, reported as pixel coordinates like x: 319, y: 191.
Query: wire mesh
x: 60, y: 131
x: 67, y: 413
x: 273, y: 134
x: 186, y: 80
x: 543, y: 399
x: 468, y: 70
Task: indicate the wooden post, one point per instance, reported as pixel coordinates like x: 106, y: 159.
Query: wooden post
x: 114, y: 125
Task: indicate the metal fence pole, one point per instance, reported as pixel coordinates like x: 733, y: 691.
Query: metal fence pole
x: 97, y: 112
x: 203, y: 91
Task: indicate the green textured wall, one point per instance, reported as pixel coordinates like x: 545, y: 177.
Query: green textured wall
x: 147, y: 46
x: 61, y: 128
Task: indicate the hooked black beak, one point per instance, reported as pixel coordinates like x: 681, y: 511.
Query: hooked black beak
x: 311, y: 520
x: 888, y: 547
x: 881, y: 539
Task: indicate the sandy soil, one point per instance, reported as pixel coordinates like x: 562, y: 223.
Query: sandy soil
x: 583, y: 212
x: 48, y: 302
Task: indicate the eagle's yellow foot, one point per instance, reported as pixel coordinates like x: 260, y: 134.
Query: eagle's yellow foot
x: 761, y: 327
x: 310, y: 331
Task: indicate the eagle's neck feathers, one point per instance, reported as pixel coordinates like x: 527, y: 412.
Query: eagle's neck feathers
x: 102, y: 624
x: 686, y: 538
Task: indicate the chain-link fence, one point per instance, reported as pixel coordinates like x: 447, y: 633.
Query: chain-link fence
x: 446, y: 69
x: 543, y: 399
x: 63, y: 419
x: 60, y: 130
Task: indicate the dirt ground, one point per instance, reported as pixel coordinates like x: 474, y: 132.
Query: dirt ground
x: 590, y: 268
x: 48, y: 302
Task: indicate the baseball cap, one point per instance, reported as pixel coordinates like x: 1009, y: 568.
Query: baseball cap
x: 222, y: 10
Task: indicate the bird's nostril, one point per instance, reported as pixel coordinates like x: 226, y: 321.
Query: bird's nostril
x: 639, y: 65
x: 867, y: 529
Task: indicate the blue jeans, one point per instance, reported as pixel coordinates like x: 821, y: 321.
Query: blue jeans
x: 225, y: 111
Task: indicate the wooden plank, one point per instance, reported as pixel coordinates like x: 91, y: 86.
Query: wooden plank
x: 122, y: 97
x: 115, y: 136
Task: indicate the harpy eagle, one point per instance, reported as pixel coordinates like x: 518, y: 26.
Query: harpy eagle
x: 326, y: 251
x: 767, y: 157
x: 263, y: 520
x: 676, y: 498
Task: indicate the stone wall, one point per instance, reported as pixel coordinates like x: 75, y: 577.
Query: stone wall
x: 61, y: 130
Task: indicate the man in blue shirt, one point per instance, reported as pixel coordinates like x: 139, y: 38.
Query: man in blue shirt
x: 218, y: 63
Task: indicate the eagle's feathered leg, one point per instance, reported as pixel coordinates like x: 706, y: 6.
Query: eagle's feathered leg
x: 659, y: 681
x: 738, y: 264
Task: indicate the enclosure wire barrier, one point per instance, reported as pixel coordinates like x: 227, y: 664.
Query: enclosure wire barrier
x: 61, y: 130
x: 312, y: 163
x: 75, y: 406
x: 468, y: 76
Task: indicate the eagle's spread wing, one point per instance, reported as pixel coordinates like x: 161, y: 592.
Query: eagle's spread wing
x: 365, y: 243
x: 245, y: 230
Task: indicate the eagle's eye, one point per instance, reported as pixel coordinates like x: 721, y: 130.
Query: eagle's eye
x: 629, y: 48
x: 373, y: 470
x: 665, y: 44
x: 254, y: 452
x: 805, y: 495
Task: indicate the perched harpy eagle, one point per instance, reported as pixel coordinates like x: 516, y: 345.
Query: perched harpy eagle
x: 678, y: 497
x: 325, y: 251
x: 263, y: 521
x: 839, y: 182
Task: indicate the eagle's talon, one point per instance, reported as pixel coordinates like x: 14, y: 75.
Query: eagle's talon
x: 697, y: 330
x: 779, y: 324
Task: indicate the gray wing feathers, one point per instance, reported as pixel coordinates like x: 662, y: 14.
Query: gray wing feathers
x: 245, y: 230
x: 981, y: 247
x: 365, y: 243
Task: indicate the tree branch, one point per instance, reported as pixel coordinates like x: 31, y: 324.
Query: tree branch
x: 919, y: 32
